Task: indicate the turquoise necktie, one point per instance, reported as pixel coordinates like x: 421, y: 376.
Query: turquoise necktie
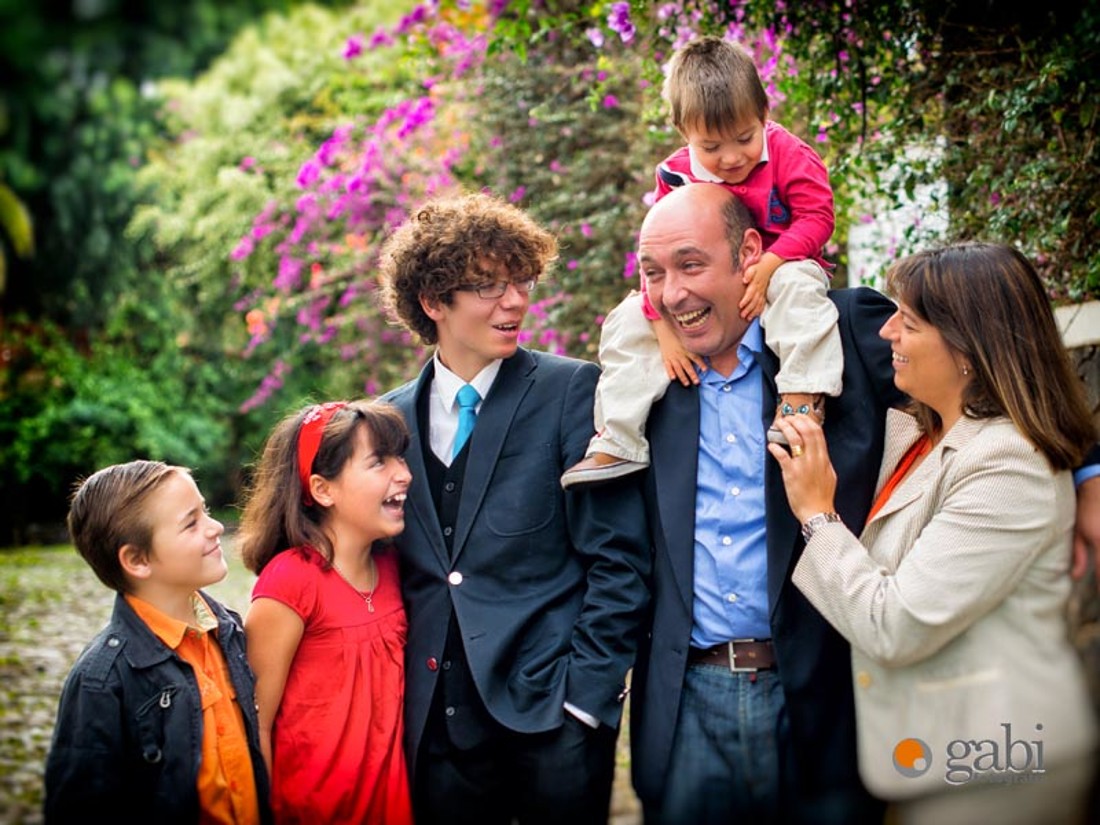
x: 467, y: 415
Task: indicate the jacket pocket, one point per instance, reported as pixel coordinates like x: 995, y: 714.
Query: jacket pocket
x: 152, y: 721
x: 523, y: 494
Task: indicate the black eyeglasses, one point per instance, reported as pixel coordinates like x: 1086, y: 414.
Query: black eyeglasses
x: 496, y: 289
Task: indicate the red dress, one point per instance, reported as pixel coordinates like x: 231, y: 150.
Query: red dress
x: 337, y: 739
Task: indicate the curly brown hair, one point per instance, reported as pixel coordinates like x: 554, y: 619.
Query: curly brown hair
x: 447, y: 244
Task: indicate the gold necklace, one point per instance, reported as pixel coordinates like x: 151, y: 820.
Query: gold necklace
x: 369, y: 595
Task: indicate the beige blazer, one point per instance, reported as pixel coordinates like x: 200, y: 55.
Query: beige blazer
x: 953, y: 599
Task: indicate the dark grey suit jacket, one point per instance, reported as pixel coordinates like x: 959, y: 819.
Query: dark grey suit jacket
x: 553, y: 584
x: 813, y: 659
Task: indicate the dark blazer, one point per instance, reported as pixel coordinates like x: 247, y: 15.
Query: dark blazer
x: 552, y: 590
x: 813, y: 659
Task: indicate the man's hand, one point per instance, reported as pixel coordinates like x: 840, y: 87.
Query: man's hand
x: 1086, y: 532
x: 679, y: 363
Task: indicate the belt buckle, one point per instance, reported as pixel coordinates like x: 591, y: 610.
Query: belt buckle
x: 733, y: 658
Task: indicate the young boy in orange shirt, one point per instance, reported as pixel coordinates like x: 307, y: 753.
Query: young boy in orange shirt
x: 157, y: 720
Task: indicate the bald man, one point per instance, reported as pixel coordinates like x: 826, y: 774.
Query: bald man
x: 742, y: 695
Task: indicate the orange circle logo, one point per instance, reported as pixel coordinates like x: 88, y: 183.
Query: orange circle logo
x: 912, y: 757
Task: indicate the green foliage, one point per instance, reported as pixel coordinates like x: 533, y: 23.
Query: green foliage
x: 237, y: 136
x: 999, y: 104
x: 146, y: 196
x: 569, y: 140
x: 78, y: 114
x: 988, y: 109
x: 65, y: 413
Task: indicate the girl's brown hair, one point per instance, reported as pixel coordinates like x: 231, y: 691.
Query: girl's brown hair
x: 275, y: 515
x: 988, y: 303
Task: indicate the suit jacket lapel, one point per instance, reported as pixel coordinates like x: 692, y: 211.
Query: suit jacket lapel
x: 674, y: 444
x: 419, y: 499
x: 901, y: 433
x: 493, y: 424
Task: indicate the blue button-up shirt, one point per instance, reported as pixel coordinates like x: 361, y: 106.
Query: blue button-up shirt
x: 731, y: 560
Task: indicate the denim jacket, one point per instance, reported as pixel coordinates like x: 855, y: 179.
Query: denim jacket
x: 128, y: 739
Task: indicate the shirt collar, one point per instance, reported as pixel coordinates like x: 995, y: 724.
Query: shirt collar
x: 447, y: 384
x: 748, y: 348
x: 700, y: 173
x: 168, y: 629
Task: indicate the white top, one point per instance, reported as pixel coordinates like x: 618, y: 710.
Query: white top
x: 443, y: 405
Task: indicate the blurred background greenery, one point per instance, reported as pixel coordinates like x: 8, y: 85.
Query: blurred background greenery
x: 192, y: 193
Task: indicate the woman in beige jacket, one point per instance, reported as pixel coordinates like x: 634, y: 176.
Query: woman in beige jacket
x: 971, y: 702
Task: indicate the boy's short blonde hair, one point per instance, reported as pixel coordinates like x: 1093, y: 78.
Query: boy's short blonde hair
x: 714, y: 84
x: 108, y: 509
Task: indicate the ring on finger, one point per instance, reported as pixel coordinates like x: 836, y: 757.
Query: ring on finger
x: 796, y: 450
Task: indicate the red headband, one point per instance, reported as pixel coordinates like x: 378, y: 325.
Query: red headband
x: 309, y: 441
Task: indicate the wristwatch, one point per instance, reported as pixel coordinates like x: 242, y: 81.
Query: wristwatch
x: 813, y: 522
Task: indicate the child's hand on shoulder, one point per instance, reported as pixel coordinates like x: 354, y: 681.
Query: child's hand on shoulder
x: 679, y: 363
x: 756, y: 281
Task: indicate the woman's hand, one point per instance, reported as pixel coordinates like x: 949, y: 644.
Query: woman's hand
x: 808, y: 473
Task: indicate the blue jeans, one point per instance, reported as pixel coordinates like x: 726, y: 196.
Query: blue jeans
x: 727, y: 750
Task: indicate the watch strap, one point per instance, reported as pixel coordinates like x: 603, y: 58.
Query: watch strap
x: 810, y: 526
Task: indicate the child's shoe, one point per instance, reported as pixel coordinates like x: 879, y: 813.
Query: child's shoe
x: 793, y: 404
x: 599, y: 467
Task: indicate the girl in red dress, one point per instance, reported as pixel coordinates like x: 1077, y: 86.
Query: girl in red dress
x: 326, y: 629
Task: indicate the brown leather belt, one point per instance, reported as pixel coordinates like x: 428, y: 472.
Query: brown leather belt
x: 742, y: 655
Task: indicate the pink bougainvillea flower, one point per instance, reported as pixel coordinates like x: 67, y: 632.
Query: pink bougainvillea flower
x: 417, y: 15
x: 610, y: 102
x: 353, y: 47
x: 308, y: 174
x: 618, y: 20
x: 290, y: 270
x: 243, y: 249
x: 630, y: 265
x: 595, y: 37
x: 380, y: 39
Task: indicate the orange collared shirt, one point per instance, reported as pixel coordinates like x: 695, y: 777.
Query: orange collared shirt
x: 226, y: 785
